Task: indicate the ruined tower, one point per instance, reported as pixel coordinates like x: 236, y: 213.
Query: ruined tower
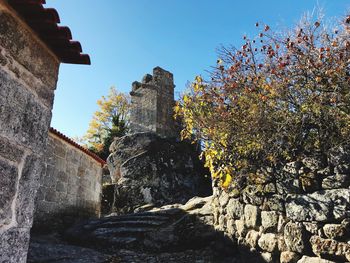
x: 152, y: 102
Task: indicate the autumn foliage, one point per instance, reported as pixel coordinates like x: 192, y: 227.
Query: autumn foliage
x: 109, y: 121
x: 276, y: 99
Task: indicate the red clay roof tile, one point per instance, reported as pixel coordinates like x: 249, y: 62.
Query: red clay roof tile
x: 44, y: 22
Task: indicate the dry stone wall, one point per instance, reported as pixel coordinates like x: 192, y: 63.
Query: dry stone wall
x: 295, y: 212
x: 70, y: 186
x: 28, y: 76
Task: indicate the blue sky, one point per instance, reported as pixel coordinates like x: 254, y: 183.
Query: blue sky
x: 128, y: 38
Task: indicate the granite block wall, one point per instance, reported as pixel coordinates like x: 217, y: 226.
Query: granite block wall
x: 28, y: 77
x: 299, y: 212
x: 70, y: 186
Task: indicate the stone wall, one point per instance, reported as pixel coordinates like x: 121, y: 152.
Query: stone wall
x: 28, y: 76
x: 152, y: 103
x: 300, y: 209
x: 70, y: 186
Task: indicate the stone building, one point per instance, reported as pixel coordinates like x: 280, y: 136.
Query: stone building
x: 70, y: 185
x: 32, y: 46
x: 152, y: 102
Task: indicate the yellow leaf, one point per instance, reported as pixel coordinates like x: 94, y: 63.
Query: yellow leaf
x: 198, y: 79
x: 227, y: 182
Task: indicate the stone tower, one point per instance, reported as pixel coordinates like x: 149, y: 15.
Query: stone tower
x: 152, y: 103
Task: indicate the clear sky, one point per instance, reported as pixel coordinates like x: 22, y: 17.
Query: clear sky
x: 128, y: 38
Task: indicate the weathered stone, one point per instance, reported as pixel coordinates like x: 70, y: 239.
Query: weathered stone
x: 252, y: 238
x: 14, y: 245
x: 281, y: 223
x: 46, y: 251
x: 158, y: 171
x: 312, y: 228
x: 10, y: 151
x: 28, y: 77
x: 267, y: 257
x: 33, y: 126
x: 235, y: 208
x: 320, y: 206
x: 324, y: 172
x: 346, y: 224
x: 289, y: 257
x: 204, y: 203
x: 312, y: 163
x: 251, y: 216
x: 336, y: 181
x: 295, y: 237
x: 147, y: 78
x: 152, y: 103
x: 270, y: 188
x: 285, y: 186
x: 306, y: 259
x: 70, y: 182
x: 223, y: 199
x: 8, y: 178
x: 28, y: 186
x: 334, y: 231
x: 269, y: 220
x: 342, y: 169
x: 274, y: 203
x: 291, y: 168
x: 241, y: 228
x: 268, y: 242
x: 231, y: 227
x: 161, y: 229
x: 287, y: 179
x: 339, y: 155
x: 281, y: 243
x: 329, y: 248
x: 222, y: 222
x: 253, y: 194
x: 310, y: 182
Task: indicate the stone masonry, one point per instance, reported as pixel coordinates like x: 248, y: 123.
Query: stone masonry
x: 299, y: 212
x: 28, y: 77
x: 70, y: 185
x: 152, y: 102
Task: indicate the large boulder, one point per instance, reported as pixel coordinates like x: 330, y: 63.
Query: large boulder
x: 150, y: 170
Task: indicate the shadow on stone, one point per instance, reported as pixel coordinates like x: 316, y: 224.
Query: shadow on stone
x: 177, y: 233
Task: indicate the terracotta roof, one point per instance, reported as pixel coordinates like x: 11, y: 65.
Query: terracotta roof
x: 73, y: 143
x: 44, y: 22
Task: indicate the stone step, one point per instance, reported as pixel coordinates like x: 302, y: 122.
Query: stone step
x: 130, y: 217
x: 140, y: 217
x: 121, y: 231
x: 136, y: 223
x: 120, y: 241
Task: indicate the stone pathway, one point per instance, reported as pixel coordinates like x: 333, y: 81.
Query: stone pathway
x: 172, y: 234
x: 46, y: 252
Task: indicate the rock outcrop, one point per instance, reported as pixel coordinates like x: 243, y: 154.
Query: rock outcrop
x: 152, y: 171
